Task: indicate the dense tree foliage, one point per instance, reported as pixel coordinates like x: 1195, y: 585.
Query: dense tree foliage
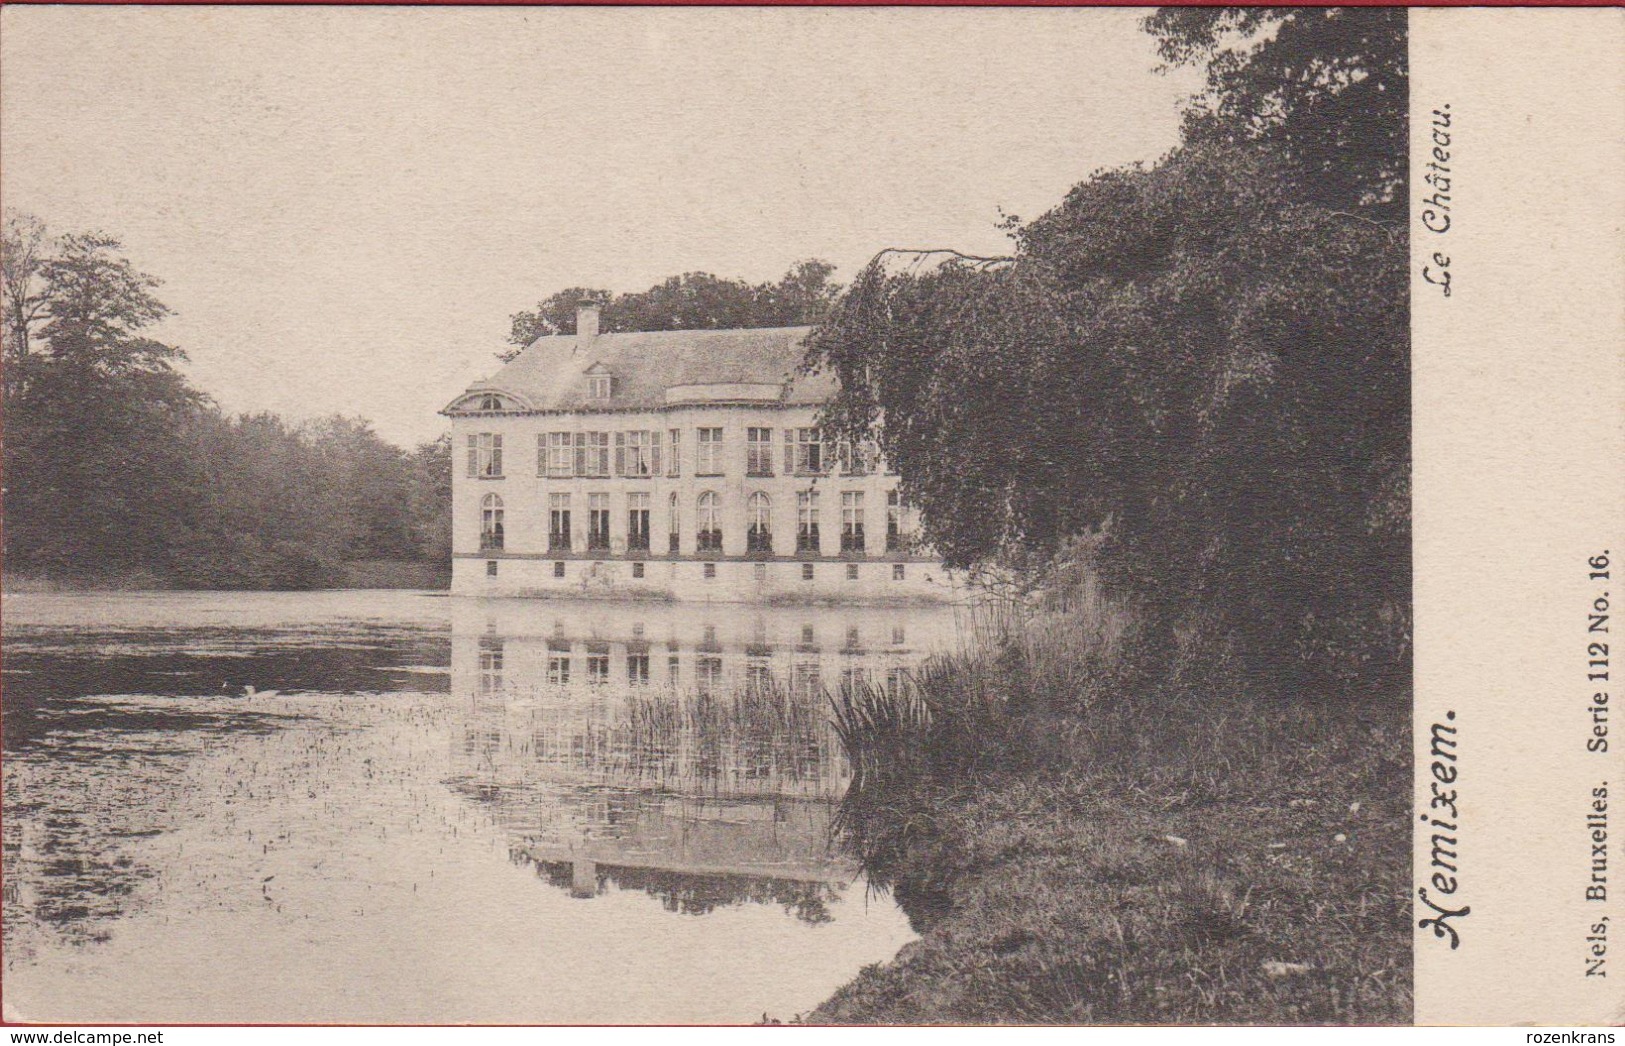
x: 1327, y: 87
x: 1205, y: 363
x: 692, y: 301
x: 116, y: 468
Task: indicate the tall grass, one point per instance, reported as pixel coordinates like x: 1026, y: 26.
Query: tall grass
x: 1089, y: 822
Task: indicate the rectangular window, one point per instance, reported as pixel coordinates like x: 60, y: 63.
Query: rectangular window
x: 558, y: 670
x: 558, y: 522
x: 855, y: 459
x: 558, y: 568
x: 637, y: 522
x: 761, y: 571
x: 490, y: 664
x: 637, y: 570
x: 894, y: 521
x: 599, y: 386
x: 707, y: 675
x: 710, y: 571
x: 597, y: 667
x: 809, y: 453
x: 674, y: 540
x: 592, y: 453
x: 485, y: 455
x: 807, y: 521
x: 674, y: 457
x: 560, y: 454
x: 758, y: 452
x: 806, y: 571
x: 490, y: 568
x: 708, y: 460
x: 804, y: 680
x: 898, y: 571
x: 637, y: 669
x: 852, y: 521
x: 635, y: 454
x: 597, y: 521
x: 851, y: 571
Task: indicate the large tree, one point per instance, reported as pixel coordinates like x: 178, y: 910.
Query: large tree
x: 1327, y: 86
x: 97, y: 475
x: 24, y: 247
x: 1205, y: 362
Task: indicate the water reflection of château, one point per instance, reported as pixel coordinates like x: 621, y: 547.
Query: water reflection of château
x: 684, y: 750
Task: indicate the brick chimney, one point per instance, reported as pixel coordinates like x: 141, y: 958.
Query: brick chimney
x: 587, y: 313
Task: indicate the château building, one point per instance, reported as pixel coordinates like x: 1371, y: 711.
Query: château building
x: 672, y: 463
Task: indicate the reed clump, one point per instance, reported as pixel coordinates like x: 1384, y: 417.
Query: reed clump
x: 1089, y: 822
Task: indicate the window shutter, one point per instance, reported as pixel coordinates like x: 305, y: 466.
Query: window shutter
x: 581, y: 454
x: 473, y: 456
x: 789, y: 452
x: 541, y: 453
x: 654, y: 452
x: 620, y: 453
x: 496, y: 455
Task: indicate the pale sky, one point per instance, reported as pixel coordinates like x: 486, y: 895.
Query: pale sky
x: 346, y: 205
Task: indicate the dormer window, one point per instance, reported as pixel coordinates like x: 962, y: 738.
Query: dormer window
x: 490, y: 402
x: 600, y: 382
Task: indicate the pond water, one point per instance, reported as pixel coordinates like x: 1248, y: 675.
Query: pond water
x: 403, y: 807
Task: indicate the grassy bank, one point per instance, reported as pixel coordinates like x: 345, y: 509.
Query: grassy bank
x: 1072, y: 851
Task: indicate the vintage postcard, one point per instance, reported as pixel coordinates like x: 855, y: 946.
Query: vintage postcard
x: 839, y: 516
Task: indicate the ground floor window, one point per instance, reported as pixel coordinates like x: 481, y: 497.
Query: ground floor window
x: 759, y: 516
x: 558, y: 522
x: 598, y: 521
x: 491, y: 522
x: 709, y: 536
x: 637, y: 522
x: 807, y: 521
x: 852, y: 521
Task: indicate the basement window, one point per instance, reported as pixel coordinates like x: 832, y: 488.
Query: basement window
x: 898, y: 571
x: 806, y: 571
x: 490, y: 568
x: 710, y: 571
x: 637, y: 571
x: 851, y: 571
x: 558, y: 568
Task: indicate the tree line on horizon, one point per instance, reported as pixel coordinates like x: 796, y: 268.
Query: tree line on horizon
x: 118, y: 471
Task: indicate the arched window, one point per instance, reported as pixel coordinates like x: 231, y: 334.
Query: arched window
x: 675, y: 540
x: 491, y: 522
x: 709, y: 538
x: 759, y: 520
x: 490, y: 402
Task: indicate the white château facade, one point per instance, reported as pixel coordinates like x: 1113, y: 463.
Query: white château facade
x: 672, y: 464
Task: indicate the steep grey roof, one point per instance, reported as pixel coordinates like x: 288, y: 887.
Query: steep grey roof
x: 550, y: 373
